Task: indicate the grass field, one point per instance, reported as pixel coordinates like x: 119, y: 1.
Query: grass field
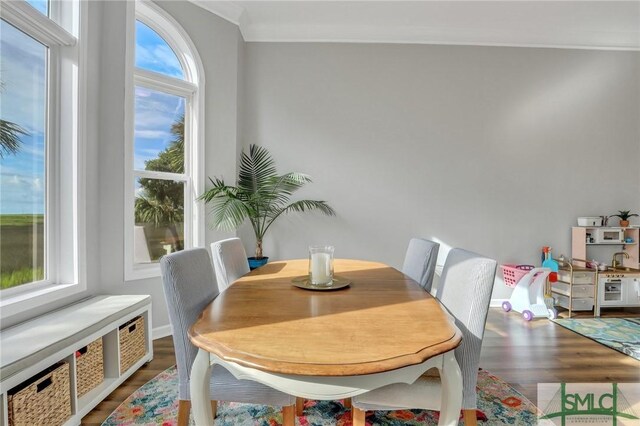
x: 20, y: 219
x: 21, y: 249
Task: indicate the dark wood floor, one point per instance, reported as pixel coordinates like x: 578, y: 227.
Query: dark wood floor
x: 522, y: 354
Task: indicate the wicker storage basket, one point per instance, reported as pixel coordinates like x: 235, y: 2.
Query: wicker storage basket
x: 132, y: 343
x: 45, y: 399
x: 89, y: 366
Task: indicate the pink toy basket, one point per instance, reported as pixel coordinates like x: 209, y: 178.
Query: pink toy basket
x: 514, y: 273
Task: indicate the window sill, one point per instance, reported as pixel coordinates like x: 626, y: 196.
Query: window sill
x: 33, y: 298
x: 142, y: 272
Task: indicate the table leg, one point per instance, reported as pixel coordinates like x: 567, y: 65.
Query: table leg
x: 451, y: 378
x: 199, y: 389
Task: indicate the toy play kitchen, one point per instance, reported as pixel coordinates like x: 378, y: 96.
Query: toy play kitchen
x: 616, y: 273
x: 618, y: 288
x: 578, y: 284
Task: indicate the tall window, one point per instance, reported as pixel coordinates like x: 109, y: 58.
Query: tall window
x: 36, y: 103
x: 163, y: 185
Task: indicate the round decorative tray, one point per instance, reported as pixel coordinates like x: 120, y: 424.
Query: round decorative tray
x: 304, y: 283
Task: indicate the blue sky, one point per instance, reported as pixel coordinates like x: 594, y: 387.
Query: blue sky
x: 41, y: 5
x: 155, y: 111
x: 22, y: 72
x: 154, y: 54
x: 22, y: 101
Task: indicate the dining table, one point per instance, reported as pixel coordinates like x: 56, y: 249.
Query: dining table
x: 381, y: 329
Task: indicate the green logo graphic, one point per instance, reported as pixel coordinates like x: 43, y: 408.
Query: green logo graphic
x: 612, y: 404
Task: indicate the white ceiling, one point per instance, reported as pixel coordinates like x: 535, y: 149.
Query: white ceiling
x: 571, y: 24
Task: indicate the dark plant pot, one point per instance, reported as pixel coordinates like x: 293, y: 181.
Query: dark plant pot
x: 256, y: 263
x: 624, y: 223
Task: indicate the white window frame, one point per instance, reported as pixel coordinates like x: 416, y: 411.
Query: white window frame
x: 64, y: 33
x: 192, y: 90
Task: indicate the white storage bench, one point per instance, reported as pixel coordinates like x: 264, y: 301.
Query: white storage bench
x: 35, y: 345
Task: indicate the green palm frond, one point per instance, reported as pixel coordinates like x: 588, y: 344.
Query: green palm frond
x: 10, y: 138
x: 280, y: 188
x: 308, y: 205
x: 261, y: 195
x: 256, y: 169
x: 157, y: 211
x: 300, y: 207
x: 175, y: 151
x: 219, y: 189
x: 229, y: 213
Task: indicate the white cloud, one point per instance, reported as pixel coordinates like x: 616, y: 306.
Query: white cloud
x: 158, y: 58
x: 152, y: 134
x: 21, y: 181
x: 21, y: 194
x: 155, y: 113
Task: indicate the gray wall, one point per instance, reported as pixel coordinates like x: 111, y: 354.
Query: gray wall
x: 497, y: 150
x: 217, y: 43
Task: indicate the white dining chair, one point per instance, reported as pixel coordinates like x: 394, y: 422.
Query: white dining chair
x: 465, y: 291
x: 229, y: 261
x: 420, y: 261
x: 189, y: 287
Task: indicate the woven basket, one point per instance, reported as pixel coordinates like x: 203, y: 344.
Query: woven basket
x: 132, y: 343
x: 90, y: 368
x: 44, y: 399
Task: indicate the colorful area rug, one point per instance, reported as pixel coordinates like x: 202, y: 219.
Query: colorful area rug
x: 156, y: 403
x: 621, y: 334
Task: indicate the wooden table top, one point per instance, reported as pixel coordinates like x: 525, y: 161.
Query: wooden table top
x: 381, y: 322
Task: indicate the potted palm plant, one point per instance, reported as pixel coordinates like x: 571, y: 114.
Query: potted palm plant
x: 624, y: 216
x: 260, y: 195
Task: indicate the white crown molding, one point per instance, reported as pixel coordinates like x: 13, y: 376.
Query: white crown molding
x: 440, y: 36
x: 254, y: 31
x: 227, y: 10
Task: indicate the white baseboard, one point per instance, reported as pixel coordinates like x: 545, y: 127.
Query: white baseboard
x: 159, y: 332
x: 497, y: 303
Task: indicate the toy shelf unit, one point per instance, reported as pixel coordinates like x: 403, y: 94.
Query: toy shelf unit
x: 576, y: 288
x: 585, y: 237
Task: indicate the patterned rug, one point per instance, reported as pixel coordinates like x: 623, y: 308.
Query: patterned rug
x: 621, y: 334
x: 156, y: 403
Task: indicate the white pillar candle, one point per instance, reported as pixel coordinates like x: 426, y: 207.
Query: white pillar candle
x: 321, y: 268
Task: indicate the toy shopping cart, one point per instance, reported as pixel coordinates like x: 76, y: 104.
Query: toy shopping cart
x: 528, y: 297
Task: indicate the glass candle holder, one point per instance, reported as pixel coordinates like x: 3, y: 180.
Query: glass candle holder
x: 321, y: 265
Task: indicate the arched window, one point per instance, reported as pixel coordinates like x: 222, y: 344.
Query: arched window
x: 162, y: 215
